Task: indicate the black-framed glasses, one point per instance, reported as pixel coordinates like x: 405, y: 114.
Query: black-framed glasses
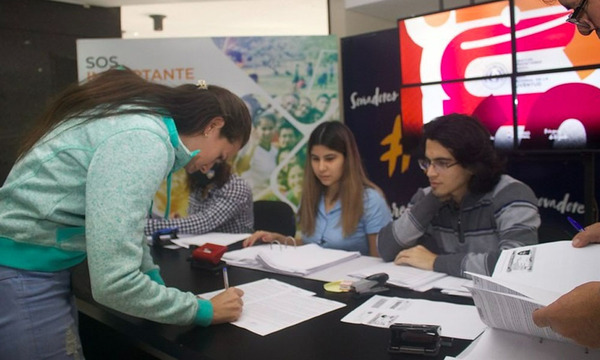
x: 575, y: 16
x: 439, y: 165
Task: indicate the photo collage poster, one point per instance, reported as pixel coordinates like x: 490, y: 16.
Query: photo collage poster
x: 290, y: 84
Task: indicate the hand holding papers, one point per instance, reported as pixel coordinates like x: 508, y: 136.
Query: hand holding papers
x: 531, y: 277
x: 503, y: 307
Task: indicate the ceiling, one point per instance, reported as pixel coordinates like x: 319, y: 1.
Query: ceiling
x: 188, y: 18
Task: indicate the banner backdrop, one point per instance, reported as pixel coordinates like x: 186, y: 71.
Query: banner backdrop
x: 371, y: 76
x: 289, y: 83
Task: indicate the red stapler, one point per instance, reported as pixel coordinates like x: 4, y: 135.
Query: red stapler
x: 208, y: 256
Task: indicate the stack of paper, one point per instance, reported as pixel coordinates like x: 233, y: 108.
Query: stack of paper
x: 497, y: 344
x: 510, y: 308
x: 245, y: 257
x: 292, y: 260
x: 303, y: 260
x: 528, y: 278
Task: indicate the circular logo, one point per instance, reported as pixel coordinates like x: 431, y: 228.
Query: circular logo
x: 496, y: 69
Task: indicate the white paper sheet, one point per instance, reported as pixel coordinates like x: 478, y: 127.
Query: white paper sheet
x: 510, y: 312
x: 555, y: 266
x: 271, y: 305
x: 456, y: 321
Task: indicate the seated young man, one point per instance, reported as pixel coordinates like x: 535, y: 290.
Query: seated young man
x: 469, y: 213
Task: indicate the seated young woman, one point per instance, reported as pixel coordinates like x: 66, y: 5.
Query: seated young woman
x: 340, y: 207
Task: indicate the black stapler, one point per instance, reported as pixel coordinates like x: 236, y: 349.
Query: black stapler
x: 370, y: 285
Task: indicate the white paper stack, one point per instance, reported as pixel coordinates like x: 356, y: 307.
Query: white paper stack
x: 302, y: 260
x: 291, y: 260
x: 525, y: 279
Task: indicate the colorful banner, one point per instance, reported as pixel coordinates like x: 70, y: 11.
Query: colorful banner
x: 290, y: 84
x: 372, y: 110
x: 462, y: 61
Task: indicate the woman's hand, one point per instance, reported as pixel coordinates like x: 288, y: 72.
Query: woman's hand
x: 265, y: 236
x: 227, y: 306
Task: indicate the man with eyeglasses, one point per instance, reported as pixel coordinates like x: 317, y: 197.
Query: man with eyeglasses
x: 576, y: 314
x: 469, y: 213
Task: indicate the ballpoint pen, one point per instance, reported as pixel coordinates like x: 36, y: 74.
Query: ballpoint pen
x: 575, y: 224
x: 225, y: 278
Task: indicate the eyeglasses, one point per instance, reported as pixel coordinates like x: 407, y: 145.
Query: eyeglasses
x: 438, y: 165
x: 576, y: 14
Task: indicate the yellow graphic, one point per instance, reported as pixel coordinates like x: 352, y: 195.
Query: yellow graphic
x: 179, y: 196
x: 394, y: 140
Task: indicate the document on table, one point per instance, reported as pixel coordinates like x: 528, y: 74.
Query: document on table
x: 271, y: 305
x: 291, y: 260
x: 496, y: 344
x: 528, y: 278
x: 456, y: 321
x: 341, y: 271
x: 413, y: 278
x: 223, y: 239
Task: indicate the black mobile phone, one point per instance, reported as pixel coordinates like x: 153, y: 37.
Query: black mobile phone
x: 418, y: 339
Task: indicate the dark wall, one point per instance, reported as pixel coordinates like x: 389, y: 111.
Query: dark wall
x: 38, y: 59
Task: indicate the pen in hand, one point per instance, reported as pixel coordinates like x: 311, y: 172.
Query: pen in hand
x: 575, y: 224
x: 225, y: 278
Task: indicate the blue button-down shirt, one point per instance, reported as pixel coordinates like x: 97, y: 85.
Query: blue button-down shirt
x: 328, y: 229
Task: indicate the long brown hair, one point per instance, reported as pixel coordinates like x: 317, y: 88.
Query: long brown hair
x: 338, y: 137
x: 121, y: 91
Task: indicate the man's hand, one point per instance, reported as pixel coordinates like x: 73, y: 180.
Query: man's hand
x: 590, y: 235
x: 227, y: 306
x: 417, y: 256
x: 575, y: 315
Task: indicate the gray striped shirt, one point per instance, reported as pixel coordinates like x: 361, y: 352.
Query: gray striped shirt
x: 468, y: 237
